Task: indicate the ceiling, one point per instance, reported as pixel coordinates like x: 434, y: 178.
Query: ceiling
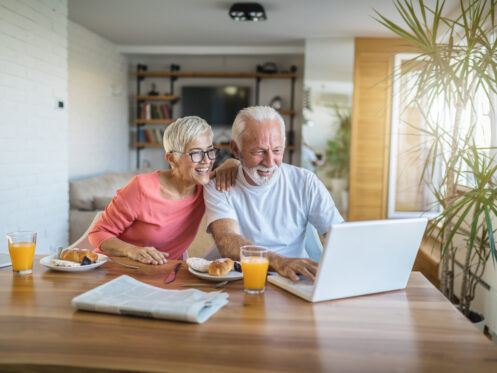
x: 206, y: 22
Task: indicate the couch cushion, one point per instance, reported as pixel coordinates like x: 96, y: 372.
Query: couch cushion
x: 79, y: 222
x: 101, y: 203
x: 82, y: 192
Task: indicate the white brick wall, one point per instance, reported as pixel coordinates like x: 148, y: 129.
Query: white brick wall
x: 98, y: 132
x: 33, y: 133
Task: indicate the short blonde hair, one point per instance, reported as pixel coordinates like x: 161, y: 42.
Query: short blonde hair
x: 183, y: 131
x: 258, y: 114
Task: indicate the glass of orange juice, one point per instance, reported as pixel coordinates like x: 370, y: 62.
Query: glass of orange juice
x: 22, y: 250
x: 254, y: 267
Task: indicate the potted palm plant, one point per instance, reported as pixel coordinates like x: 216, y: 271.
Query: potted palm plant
x: 338, y: 155
x: 457, y: 60
x: 338, y: 151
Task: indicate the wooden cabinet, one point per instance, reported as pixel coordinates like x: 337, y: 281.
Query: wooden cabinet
x: 150, y: 123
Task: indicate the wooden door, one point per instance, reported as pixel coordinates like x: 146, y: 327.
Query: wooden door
x: 370, y: 137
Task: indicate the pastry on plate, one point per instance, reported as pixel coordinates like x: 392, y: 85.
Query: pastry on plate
x: 221, y: 267
x: 78, y: 256
x: 198, y: 264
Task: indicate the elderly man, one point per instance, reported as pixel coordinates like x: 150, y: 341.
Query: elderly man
x: 272, y: 202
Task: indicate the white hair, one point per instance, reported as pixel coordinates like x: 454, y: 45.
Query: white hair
x: 258, y: 114
x: 183, y: 131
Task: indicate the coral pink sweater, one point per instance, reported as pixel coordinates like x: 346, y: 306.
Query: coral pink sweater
x: 140, y: 216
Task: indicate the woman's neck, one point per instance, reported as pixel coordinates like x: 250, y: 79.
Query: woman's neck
x: 173, y: 186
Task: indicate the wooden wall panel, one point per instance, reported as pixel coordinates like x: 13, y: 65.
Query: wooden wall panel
x: 370, y: 137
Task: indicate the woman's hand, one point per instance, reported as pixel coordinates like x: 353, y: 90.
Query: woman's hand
x: 226, y: 174
x: 147, y: 255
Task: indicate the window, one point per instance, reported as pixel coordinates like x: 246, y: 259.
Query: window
x: 409, y: 148
x: 406, y: 197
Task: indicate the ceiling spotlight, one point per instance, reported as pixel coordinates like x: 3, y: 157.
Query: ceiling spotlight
x: 247, y: 12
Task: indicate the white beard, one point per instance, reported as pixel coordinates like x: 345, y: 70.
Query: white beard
x: 258, y: 179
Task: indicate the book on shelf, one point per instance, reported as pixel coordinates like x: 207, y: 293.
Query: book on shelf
x: 166, y: 110
x: 147, y: 110
x: 148, y: 114
x: 150, y: 135
x: 141, y: 136
x: 159, y: 133
x: 156, y: 112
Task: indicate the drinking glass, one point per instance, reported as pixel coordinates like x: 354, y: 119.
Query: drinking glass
x: 22, y: 250
x: 254, y: 263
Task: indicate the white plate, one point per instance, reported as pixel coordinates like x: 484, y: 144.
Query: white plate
x: 47, y: 262
x: 230, y: 276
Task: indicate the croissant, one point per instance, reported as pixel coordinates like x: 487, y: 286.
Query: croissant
x: 77, y: 255
x: 220, y: 267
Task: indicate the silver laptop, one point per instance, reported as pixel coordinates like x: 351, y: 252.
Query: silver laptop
x: 361, y: 258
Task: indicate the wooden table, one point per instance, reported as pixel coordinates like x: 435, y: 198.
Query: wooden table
x: 413, y: 330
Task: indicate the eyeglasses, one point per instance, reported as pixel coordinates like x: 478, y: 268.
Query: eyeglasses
x: 198, y: 155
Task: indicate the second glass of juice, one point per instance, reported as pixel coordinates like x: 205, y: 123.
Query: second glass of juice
x: 22, y: 250
x: 254, y: 263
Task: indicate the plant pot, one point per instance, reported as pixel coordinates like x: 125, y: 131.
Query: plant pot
x: 477, y: 319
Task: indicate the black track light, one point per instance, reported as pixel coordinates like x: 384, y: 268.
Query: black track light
x: 247, y: 12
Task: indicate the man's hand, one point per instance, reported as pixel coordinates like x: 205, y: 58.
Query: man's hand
x: 226, y: 174
x: 147, y: 255
x: 292, y: 267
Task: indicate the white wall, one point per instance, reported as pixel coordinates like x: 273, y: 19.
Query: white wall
x: 33, y: 144
x: 329, y: 67
x: 98, y: 128
x: 200, y: 63
x: 329, y: 59
x: 328, y: 80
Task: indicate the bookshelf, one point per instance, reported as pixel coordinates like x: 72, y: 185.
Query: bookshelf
x: 144, y: 123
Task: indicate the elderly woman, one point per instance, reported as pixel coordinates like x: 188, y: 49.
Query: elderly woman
x: 157, y: 215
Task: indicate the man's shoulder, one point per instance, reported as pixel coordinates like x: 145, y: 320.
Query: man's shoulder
x: 210, y: 190
x: 293, y: 172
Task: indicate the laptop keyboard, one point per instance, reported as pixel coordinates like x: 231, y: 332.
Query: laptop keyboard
x: 304, y: 285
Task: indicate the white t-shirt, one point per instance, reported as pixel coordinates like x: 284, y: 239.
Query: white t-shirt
x: 275, y: 214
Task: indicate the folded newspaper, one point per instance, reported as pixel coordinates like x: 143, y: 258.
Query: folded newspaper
x: 126, y: 296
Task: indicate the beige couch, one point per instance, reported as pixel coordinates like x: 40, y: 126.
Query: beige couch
x: 89, y: 196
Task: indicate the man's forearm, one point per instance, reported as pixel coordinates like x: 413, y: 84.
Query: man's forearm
x: 229, y: 244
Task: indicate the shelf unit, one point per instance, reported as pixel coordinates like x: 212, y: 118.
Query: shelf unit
x: 174, y: 74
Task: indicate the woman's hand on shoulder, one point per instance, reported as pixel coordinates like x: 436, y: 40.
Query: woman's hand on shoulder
x: 226, y: 174
x: 147, y: 255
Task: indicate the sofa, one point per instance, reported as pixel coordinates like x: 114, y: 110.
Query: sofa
x: 89, y: 196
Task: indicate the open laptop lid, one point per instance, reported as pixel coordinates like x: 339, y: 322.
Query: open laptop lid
x: 367, y: 257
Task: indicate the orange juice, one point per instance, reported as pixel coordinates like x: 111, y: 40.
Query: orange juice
x: 21, y: 255
x: 254, y: 270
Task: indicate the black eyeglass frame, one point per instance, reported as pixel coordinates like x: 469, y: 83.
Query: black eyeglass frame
x: 204, y: 153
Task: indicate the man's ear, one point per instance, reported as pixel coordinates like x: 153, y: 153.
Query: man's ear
x: 171, y: 159
x: 234, y: 149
